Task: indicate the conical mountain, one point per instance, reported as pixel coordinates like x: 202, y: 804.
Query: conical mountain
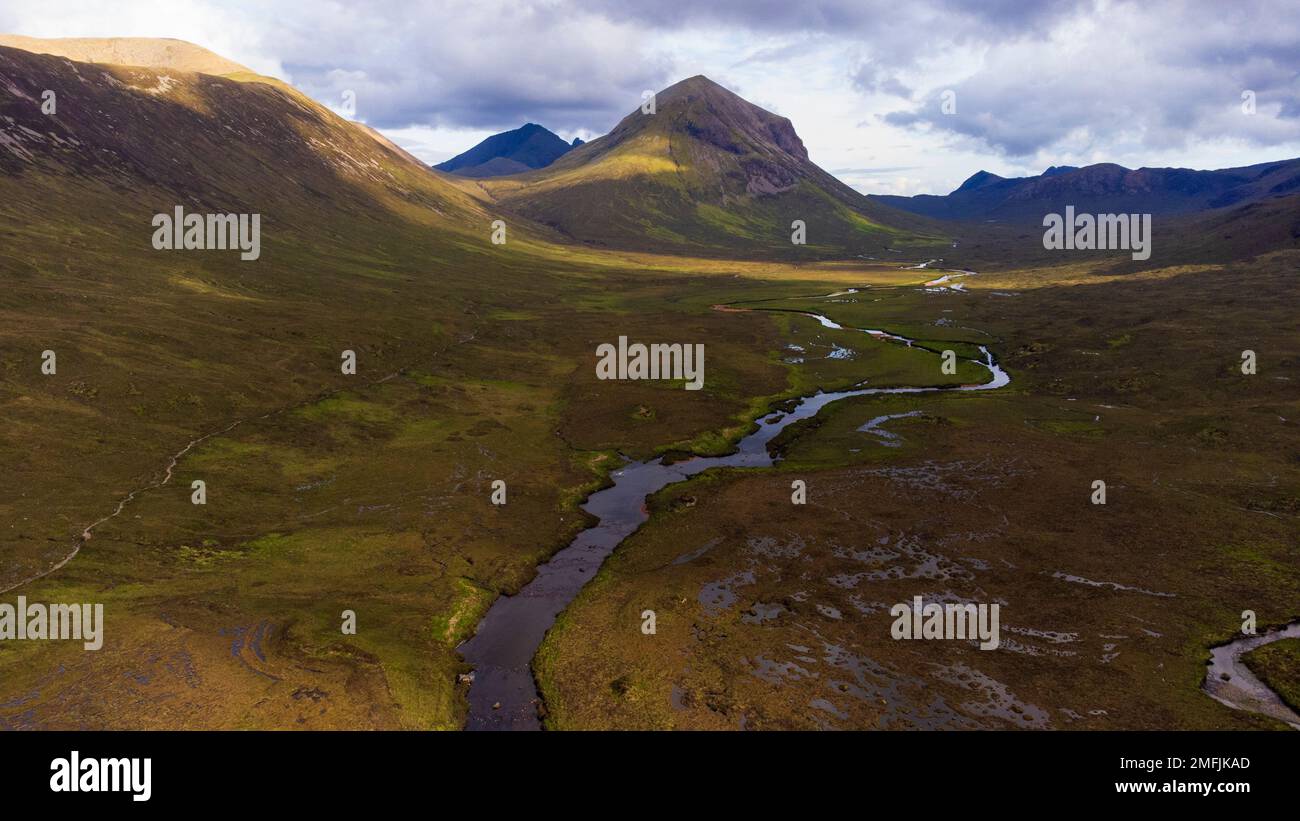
x: 510, y: 152
x: 705, y: 172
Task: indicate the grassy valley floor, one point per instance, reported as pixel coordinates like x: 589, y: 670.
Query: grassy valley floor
x: 329, y: 493
x: 772, y: 615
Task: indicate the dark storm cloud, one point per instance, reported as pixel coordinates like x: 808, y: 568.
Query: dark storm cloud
x: 469, y: 64
x: 1154, y: 74
x: 1063, y: 76
x: 856, y: 17
x: 584, y: 63
x: 1081, y: 72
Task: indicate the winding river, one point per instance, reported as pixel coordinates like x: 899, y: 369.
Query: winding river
x: 503, y: 694
x: 1229, y: 681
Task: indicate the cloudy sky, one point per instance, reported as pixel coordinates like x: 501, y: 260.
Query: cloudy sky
x: 1156, y: 82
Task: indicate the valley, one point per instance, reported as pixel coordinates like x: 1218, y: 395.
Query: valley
x: 370, y: 492
x: 502, y: 695
x: 776, y: 616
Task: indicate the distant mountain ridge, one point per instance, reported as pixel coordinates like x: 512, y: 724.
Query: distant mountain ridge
x: 1104, y: 188
x: 511, y: 152
x: 706, y: 172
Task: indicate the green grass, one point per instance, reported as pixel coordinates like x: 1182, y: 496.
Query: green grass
x: 329, y: 492
x: 1278, y: 666
x: 1185, y: 515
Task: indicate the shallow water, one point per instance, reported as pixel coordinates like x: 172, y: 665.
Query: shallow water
x: 1241, y: 690
x: 503, y: 694
x: 887, y: 438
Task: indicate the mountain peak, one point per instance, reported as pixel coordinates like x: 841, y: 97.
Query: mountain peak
x: 526, y: 148
x: 147, y: 52
x: 978, y: 180
x: 697, y: 87
x: 717, y: 116
x: 697, y: 83
x: 706, y: 170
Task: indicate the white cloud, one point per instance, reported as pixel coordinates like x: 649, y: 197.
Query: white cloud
x: 1065, y: 82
